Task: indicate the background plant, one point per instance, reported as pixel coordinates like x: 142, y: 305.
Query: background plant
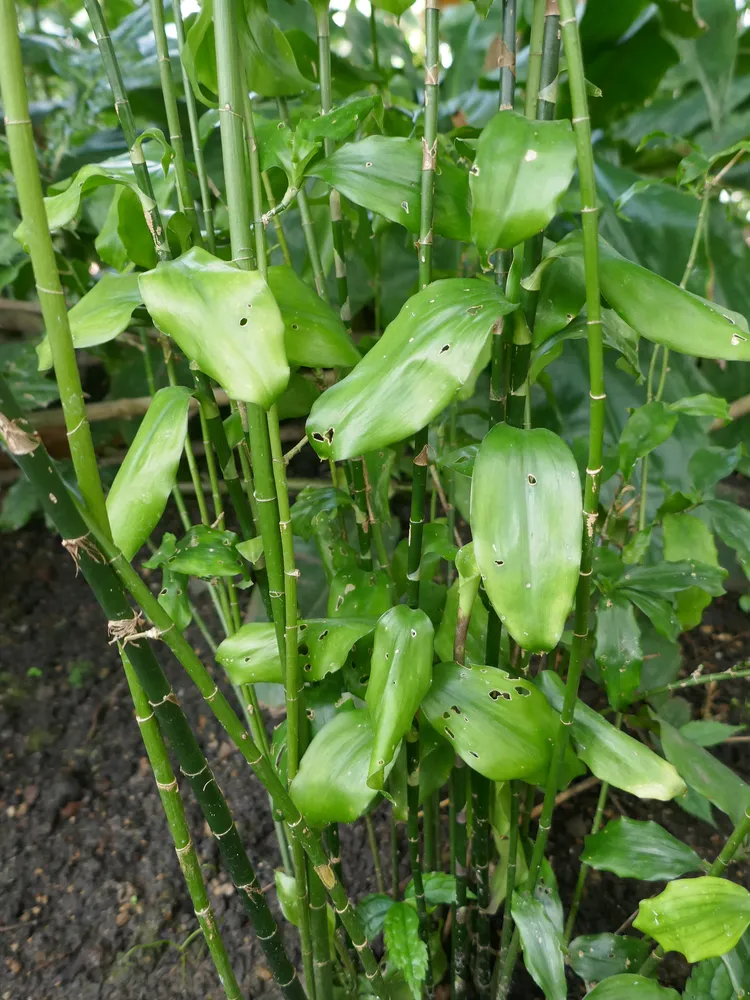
x: 231, y: 250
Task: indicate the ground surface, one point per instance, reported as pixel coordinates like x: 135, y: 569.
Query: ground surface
x: 89, y: 886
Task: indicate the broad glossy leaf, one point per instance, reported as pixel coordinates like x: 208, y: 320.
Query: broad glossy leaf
x: 647, y: 427
x: 416, y: 368
x: 562, y: 295
x: 527, y: 526
x: 707, y: 466
x: 372, y: 911
x: 268, y: 57
x: 100, y: 315
x: 18, y: 366
x: 618, y: 649
x: 712, y: 53
x: 632, y: 848
x: 700, y: 917
x: 286, y: 892
x: 331, y: 784
x: 705, y: 774
x: 439, y: 889
x: 687, y: 537
x: 139, y: 494
x: 702, y: 405
x: 252, y: 654
x: 315, y: 507
x: 672, y: 577
x: 597, y: 956
x: 173, y: 597
x: 657, y: 309
x: 521, y: 170
x: 709, y: 732
x: 224, y: 319
x: 125, y: 235
x: 284, y: 147
x: 627, y: 987
x: 611, y: 754
x: 341, y: 121
x: 498, y: 724
x: 207, y: 552
x: 383, y: 174
x: 359, y: 593
x: 406, y: 950
x: 400, y: 675
x: 314, y: 335
x: 541, y: 943
x: 732, y: 524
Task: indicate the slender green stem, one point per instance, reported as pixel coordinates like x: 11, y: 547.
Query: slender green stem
x: 375, y: 852
x: 256, y: 183
x: 428, y: 834
x: 480, y: 798
x: 412, y: 802
x: 51, y: 299
x: 534, y: 71
x: 374, y: 38
x: 200, y: 166
x: 279, y: 229
x: 459, y: 909
x: 321, y: 947
x: 395, y: 856
x: 695, y: 679
x: 355, y: 474
x: 510, y: 877
x: 582, y: 129
x: 184, y: 847
x: 508, y: 62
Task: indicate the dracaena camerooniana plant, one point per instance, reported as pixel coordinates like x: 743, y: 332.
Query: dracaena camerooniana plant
x: 452, y: 657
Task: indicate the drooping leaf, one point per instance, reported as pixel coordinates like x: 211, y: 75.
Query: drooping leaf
x: 707, y: 466
x: 383, y: 174
x: 496, y: 723
x: 339, y: 123
x: 625, y: 987
x: 100, y: 315
x: 372, y: 911
x: 702, y: 405
x: 611, y: 754
x: 125, y: 235
x: 542, y: 951
x: 404, y: 946
x: 331, y: 784
x: 139, y: 494
x: 709, y: 732
x: 705, y: 774
x: 224, y: 319
x: 526, y: 523
x: 618, y: 649
x: 687, y: 537
x: 314, y: 335
x: 400, y: 675
x: 647, y: 427
x: 635, y: 849
x: 286, y: 892
x: 207, y: 552
x: 521, y: 170
x: 700, y: 917
x: 423, y: 358
x: 174, y: 598
x: 269, y: 59
x: 594, y: 957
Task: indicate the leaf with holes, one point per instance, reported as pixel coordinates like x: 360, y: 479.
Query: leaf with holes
x: 207, y: 552
x: 542, y: 946
x: 224, y: 319
x: 315, y: 507
x: 618, y: 649
x: 416, y: 368
x: 526, y: 523
x: 700, y: 917
x: 139, y: 494
x: 314, y: 335
x: 405, y: 948
x: 627, y: 987
x: 633, y: 848
x: 400, y: 675
x: 383, y: 174
x: 100, y: 315
x: 500, y: 725
x: 594, y: 957
x: 521, y: 170
x: 655, y: 308
x: 611, y: 754
x: 331, y: 784
x: 251, y: 655
x: 174, y: 598
x: 360, y: 593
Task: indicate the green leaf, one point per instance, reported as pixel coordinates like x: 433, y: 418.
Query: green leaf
x: 542, y: 951
x: 634, y: 849
x: 314, y: 335
x: 331, y: 784
x: 280, y: 146
x: 708, y: 466
x: 252, y: 549
x: 174, y: 598
x: 521, y: 170
x: 251, y: 655
x: 647, y: 428
x: 637, y: 547
x: 611, y: 754
x: 732, y: 524
x: 100, y: 315
x: 627, y: 987
x: 498, y: 724
x: 705, y: 774
x: 315, y: 507
x: 618, y: 649
x: 702, y: 405
x: 562, y: 295
x: 267, y: 55
x: 207, y: 552
x: 439, y: 889
x: 672, y: 577
x: 594, y: 957
x: 341, y: 121
x: 404, y: 947
x: 139, y: 494
x: 709, y: 732
x: 527, y: 526
x: 286, y: 892
x: 395, y: 7
x: 400, y: 676
x: 125, y: 236
x: 476, y: 640
x: 416, y: 368
x: 383, y: 174
x: 18, y: 365
x: 19, y: 505
x: 372, y: 911
x: 360, y: 593
x: 700, y: 917
x: 224, y: 319
x: 712, y: 53
x: 657, y: 309
x: 688, y: 537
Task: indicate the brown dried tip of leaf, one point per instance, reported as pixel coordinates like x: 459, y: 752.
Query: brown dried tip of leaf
x: 17, y: 440
x: 75, y: 546
x: 421, y: 459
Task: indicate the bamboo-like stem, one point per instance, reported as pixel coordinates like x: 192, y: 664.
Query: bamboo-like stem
x: 184, y: 197
x: 374, y: 38
x: 52, y: 301
x: 510, y: 877
x: 508, y: 67
x: 534, y: 71
x: 279, y: 229
x: 480, y: 800
x: 582, y: 129
x: 320, y: 939
x: 174, y: 812
x: 355, y: 474
x: 395, y: 856
x: 412, y: 822
x: 375, y: 852
x: 428, y: 834
x: 695, y: 679
x: 459, y: 909
x: 200, y: 166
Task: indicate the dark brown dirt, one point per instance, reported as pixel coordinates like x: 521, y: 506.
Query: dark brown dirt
x: 92, y: 905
